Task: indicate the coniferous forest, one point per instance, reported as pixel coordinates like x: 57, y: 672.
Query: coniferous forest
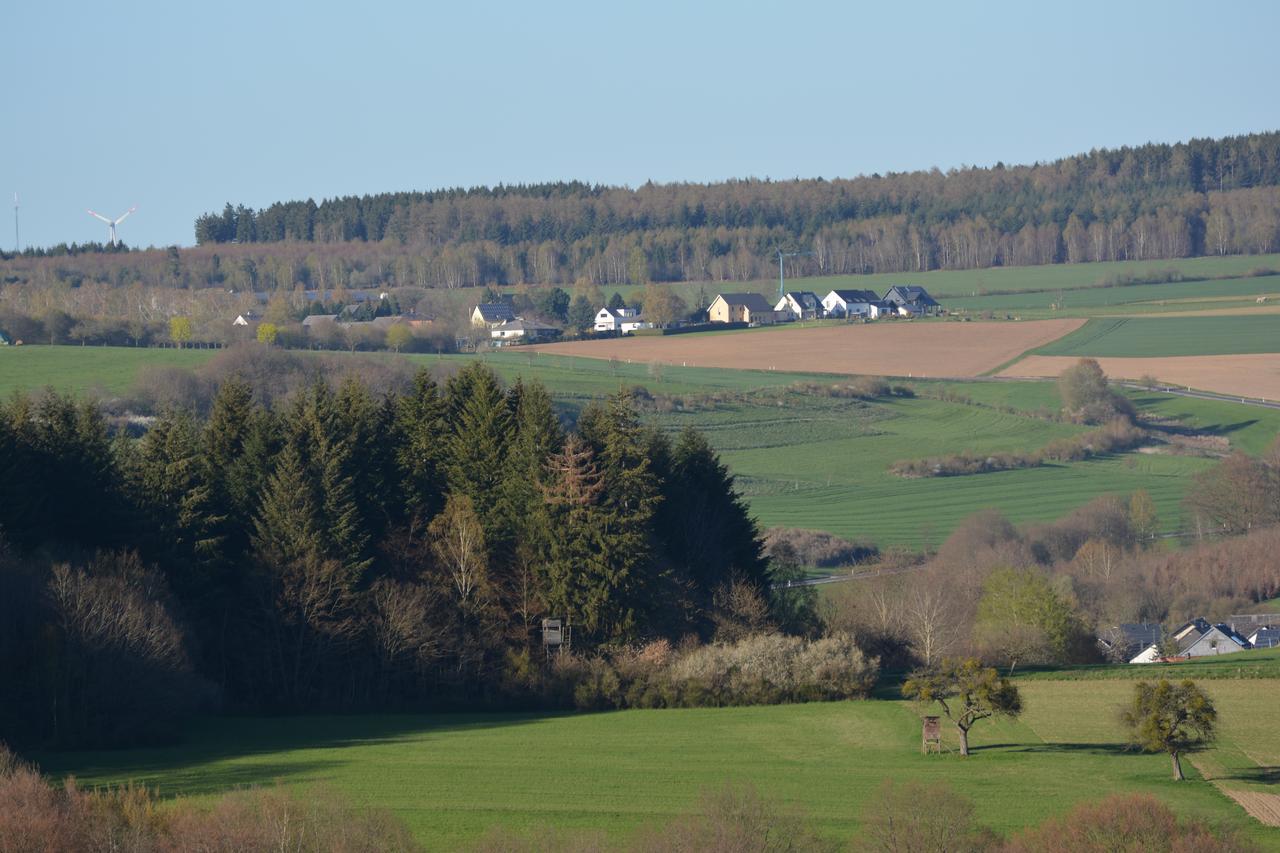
x: 343, y: 550
x: 1203, y: 197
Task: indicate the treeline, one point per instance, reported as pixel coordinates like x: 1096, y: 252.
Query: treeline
x: 1153, y: 201
x: 345, y: 549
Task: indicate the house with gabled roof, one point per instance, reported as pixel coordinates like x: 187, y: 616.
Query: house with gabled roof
x: 853, y: 303
x: 620, y: 320
x: 799, y: 305
x: 248, y: 318
x: 911, y: 300
x: 1265, y: 638
x: 1196, y: 639
x: 521, y: 330
x: 1121, y: 643
x: 492, y: 314
x: 741, y: 308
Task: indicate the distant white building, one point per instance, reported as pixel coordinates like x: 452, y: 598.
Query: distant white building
x: 621, y: 320
x: 491, y: 315
x: 853, y: 303
x: 800, y: 305
x: 1196, y: 639
x: 248, y: 318
x: 521, y: 330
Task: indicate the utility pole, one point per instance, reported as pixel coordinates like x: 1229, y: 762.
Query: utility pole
x: 17, y: 244
x: 781, y: 275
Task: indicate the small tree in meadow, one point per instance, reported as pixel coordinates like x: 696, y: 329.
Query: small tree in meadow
x: 399, y: 336
x: 180, y: 330
x: 267, y: 333
x: 967, y: 692
x: 1172, y: 718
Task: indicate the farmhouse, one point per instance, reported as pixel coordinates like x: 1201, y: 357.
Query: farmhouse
x: 248, y: 318
x: 741, y: 308
x: 1196, y: 639
x: 521, y: 330
x: 492, y: 314
x: 910, y: 300
x: 318, y: 319
x: 622, y: 320
x: 853, y: 303
x: 799, y: 305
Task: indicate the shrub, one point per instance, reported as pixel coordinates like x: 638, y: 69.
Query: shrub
x: 37, y: 816
x: 922, y: 818
x: 735, y: 820
x: 815, y: 548
x: 1133, y: 822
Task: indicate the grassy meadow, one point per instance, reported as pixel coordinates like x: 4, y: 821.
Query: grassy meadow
x: 804, y: 460
x: 1139, y: 337
x: 453, y: 777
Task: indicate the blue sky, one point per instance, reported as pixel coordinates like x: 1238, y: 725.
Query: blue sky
x: 179, y: 108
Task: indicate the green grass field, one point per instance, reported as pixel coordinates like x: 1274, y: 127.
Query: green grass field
x: 451, y: 778
x: 1237, y: 294
x: 1136, y: 337
x: 806, y: 461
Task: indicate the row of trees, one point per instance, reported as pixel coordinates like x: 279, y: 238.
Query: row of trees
x: 345, y: 549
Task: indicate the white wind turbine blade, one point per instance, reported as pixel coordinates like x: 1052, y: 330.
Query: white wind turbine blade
x: 97, y: 215
x: 125, y: 215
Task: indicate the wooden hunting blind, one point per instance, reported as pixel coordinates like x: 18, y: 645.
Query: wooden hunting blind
x: 931, y: 734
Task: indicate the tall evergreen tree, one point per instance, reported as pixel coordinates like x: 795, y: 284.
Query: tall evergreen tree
x: 421, y: 447
x: 479, y: 432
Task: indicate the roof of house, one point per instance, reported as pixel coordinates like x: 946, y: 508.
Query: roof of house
x: 495, y: 312
x: 910, y: 293
x: 856, y: 295
x: 315, y: 319
x: 1266, y: 637
x: 807, y: 298
x: 750, y: 301
x: 1135, y: 634
x: 1195, y: 630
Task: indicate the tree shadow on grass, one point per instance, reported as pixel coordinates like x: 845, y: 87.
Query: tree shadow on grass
x: 218, y: 753
x: 1257, y: 775
x: 1057, y: 748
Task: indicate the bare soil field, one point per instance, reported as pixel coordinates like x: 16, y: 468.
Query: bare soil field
x: 1255, y: 375
x: 880, y: 349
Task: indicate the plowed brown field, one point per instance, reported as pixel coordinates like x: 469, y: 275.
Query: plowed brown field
x: 881, y: 349
x: 1256, y: 375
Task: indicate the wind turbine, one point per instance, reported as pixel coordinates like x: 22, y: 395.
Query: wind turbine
x: 112, y: 223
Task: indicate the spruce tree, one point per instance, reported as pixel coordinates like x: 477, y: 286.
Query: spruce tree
x: 420, y: 446
x: 479, y: 432
x: 575, y: 580
x: 708, y: 530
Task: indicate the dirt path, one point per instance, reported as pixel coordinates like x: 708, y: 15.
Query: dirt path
x: 883, y: 349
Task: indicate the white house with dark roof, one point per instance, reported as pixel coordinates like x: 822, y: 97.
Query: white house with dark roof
x: 911, y: 300
x: 1197, y: 639
x: 1121, y: 643
x: 853, y: 303
x: 492, y: 314
x: 521, y: 330
x: 799, y: 305
x: 621, y: 320
x: 1265, y: 638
